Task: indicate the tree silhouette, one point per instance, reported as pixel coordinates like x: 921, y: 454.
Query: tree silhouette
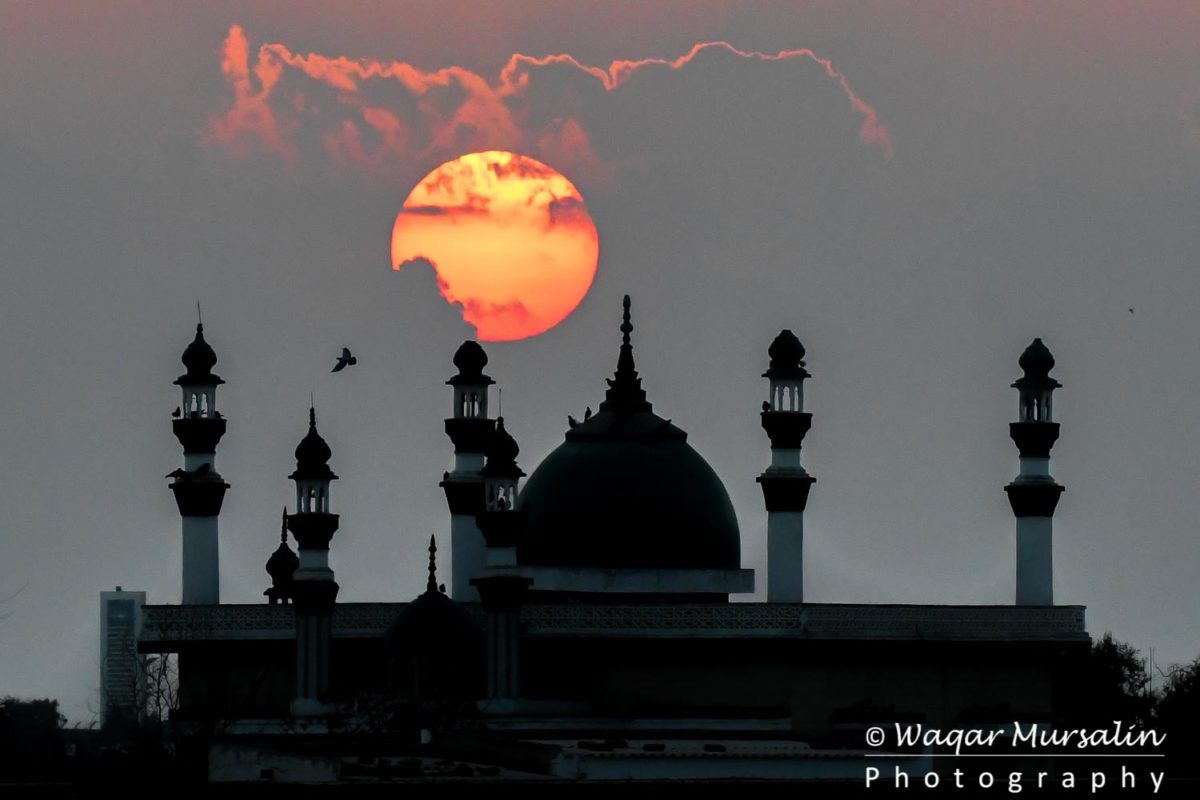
x: 1113, y: 685
x: 1179, y: 715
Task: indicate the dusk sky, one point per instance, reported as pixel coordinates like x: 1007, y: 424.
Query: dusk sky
x: 917, y: 189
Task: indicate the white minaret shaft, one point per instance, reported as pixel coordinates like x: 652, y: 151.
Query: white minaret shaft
x: 468, y: 556
x: 785, y: 484
x: 1034, y: 494
x: 1035, y: 561
x: 785, y: 556
x: 201, y: 579
x: 198, y: 487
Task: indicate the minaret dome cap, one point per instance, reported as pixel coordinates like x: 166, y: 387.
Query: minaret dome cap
x: 198, y: 359
x: 787, y: 357
x: 1036, y: 362
x: 501, y: 453
x: 283, y: 563
x: 313, y: 454
x: 470, y: 359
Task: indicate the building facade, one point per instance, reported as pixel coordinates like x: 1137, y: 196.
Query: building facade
x: 596, y: 625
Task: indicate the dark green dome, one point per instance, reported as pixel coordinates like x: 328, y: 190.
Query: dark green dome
x: 433, y: 625
x: 626, y: 490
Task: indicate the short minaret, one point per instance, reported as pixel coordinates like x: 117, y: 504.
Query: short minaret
x: 785, y: 484
x: 198, y: 487
x: 500, y: 522
x: 314, y: 590
x: 281, y: 566
x: 1034, y: 494
x: 470, y: 430
x: 501, y: 590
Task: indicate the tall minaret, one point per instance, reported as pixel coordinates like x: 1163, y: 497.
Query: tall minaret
x: 785, y: 484
x: 470, y: 430
x: 198, y: 487
x: 1034, y: 494
x: 314, y: 590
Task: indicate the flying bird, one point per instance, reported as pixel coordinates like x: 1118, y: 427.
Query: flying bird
x: 1131, y: 311
x: 177, y: 413
x: 344, y: 360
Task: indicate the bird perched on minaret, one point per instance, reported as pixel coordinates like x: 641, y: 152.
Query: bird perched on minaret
x: 344, y: 360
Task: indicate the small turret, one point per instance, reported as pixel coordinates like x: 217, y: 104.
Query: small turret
x: 281, y: 566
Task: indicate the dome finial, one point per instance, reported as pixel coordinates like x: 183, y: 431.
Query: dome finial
x: 283, y: 528
x: 431, y: 584
x: 625, y: 387
x: 626, y: 324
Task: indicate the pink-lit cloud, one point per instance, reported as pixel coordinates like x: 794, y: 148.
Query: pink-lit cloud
x: 277, y: 100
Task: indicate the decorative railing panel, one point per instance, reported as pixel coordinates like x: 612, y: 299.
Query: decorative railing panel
x: 733, y: 620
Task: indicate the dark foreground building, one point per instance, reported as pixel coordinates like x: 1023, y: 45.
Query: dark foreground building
x: 592, y: 630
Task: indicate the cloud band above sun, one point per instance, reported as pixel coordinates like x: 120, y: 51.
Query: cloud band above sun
x: 278, y: 103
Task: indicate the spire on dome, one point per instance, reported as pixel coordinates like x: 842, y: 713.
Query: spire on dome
x: 625, y: 391
x: 431, y: 585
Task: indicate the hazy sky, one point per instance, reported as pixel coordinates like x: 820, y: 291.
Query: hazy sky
x: 916, y: 189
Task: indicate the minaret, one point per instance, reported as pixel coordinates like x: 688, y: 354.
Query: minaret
x: 1034, y: 494
x: 785, y: 484
x: 198, y: 487
x: 501, y: 590
x: 500, y: 523
x: 469, y: 429
x: 314, y: 590
x: 281, y: 566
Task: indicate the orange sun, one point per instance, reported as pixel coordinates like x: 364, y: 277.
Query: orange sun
x: 510, y: 238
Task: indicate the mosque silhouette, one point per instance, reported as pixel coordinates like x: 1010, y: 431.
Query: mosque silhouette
x: 592, y: 629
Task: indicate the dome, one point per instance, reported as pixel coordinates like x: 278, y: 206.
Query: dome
x: 434, y: 626
x: 313, y: 454
x: 470, y: 360
x: 787, y: 357
x: 1036, y: 360
x: 501, y: 453
x: 198, y: 359
x: 626, y: 490
x: 283, y: 563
